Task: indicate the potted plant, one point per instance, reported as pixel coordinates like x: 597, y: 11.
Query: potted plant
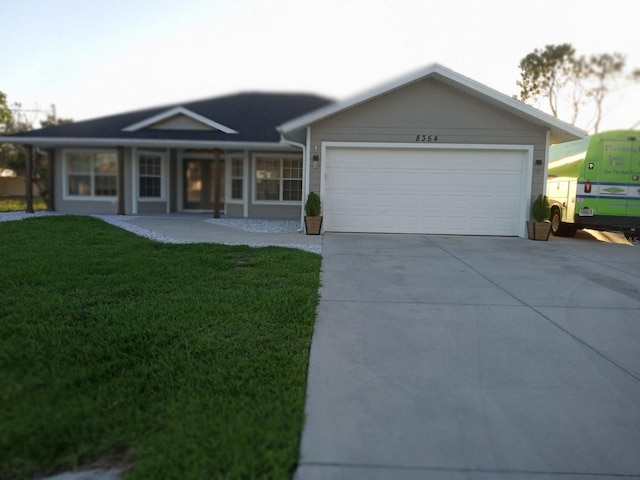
x: 539, y: 228
x: 312, y: 219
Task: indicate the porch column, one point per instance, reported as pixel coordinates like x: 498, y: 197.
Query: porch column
x: 120, y: 151
x: 28, y: 160
x: 216, y: 185
x: 51, y: 184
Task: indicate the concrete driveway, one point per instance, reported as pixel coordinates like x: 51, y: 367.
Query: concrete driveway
x: 446, y: 357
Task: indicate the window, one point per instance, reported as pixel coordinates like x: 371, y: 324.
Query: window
x: 91, y: 174
x: 291, y: 179
x: 150, y: 175
x: 237, y: 178
x: 278, y: 178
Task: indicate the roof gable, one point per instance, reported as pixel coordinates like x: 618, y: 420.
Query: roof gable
x: 178, y: 118
x: 560, y: 131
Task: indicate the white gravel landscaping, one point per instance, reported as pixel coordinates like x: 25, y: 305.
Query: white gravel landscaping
x: 257, y: 225
x: 9, y: 216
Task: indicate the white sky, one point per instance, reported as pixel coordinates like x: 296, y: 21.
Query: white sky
x: 97, y: 57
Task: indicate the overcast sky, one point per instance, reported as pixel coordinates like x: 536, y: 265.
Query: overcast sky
x: 92, y: 57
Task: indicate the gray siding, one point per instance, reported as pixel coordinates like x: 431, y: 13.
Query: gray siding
x: 429, y: 107
x: 234, y: 209
x: 289, y: 212
x: 152, y: 207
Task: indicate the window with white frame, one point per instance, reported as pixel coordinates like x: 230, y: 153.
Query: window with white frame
x: 237, y: 178
x: 150, y: 175
x: 278, y: 178
x: 291, y: 179
x: 91, y: 173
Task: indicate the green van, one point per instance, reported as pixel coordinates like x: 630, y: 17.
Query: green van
x: 595, y: 183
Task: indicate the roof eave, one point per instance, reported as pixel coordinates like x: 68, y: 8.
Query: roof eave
x: 44, y: 142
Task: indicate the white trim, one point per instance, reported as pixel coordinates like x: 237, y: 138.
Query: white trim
x: 435, y: 146
x: 525, y: 149
x: 139, y: 142
x: 245, y: 185
x: 306, y: 185
x: 167, y: 181
x: 65, y: 177
x: 447, y: 76
x: 229, y: 158
x: 136, y: 177
x: 174, y: 112
x: 546, y: 164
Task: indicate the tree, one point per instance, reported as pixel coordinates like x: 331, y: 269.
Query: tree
x: 544, y: 73
x: 603, y: 71
x: 53, y: 120
x: 562, y: 77
x: 6, y: 115
x: 14, y: 156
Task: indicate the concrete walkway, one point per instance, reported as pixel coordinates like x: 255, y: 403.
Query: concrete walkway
x: 447, y: 357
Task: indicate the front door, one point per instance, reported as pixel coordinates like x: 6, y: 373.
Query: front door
x: 200, y: 179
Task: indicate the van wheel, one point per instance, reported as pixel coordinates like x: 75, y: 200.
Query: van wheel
x: 555, y: 221
x: 559, y: 228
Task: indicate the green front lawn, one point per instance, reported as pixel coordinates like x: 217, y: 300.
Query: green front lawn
x: 180, y: 361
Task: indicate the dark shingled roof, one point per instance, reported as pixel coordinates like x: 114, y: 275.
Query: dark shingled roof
x: 254, y: 116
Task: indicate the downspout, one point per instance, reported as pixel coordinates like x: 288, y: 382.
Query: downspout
x: 305, y: 173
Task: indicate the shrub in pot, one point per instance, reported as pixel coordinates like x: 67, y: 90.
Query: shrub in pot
x: 539, y: 228
x: 313, y: 219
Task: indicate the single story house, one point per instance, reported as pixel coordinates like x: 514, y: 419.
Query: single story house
x: 430, y: 152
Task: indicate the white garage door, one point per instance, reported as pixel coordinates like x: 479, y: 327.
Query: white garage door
x: 438, y: 190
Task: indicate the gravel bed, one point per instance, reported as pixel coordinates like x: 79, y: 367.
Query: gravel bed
x: 247, y: 225
x: 9, y: 216
x: 123, y: 222
x: 257, y: 225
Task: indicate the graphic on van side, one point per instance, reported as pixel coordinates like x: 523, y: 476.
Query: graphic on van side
x: 596, y: 185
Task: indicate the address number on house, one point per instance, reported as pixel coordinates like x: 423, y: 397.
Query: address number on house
x: 426, y: 138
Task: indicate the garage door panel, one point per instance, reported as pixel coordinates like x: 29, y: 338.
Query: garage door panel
x: 464, y: 191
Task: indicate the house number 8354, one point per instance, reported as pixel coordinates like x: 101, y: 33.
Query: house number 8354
x: 426, y: 138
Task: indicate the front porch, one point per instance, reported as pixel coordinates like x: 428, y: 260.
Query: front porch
x: 265, y: 183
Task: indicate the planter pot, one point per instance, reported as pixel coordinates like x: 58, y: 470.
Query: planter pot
x: 313, y: 225
x: 538, y: 230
